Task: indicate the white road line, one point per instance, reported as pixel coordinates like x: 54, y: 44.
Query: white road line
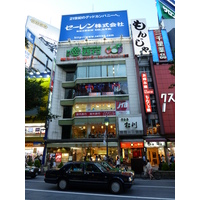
x: 147, y: 186
x: 154, y: 186
x: 101, y: 195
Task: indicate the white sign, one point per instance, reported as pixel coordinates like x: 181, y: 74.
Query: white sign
x: 164, y: 97
x: 141, y: 41
x: 130, y: 123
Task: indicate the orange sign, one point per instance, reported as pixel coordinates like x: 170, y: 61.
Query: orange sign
x: 128, y: 145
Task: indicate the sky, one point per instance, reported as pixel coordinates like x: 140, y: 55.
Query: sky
x: 50, y: 11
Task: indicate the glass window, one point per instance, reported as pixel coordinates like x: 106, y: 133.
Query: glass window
x: 92, y: 168
x: 120, y: 70
x: 94, y: 71
x: 82, y: 72
x: 77, y: 167
x: 104, y: 70
x: 111, y: 71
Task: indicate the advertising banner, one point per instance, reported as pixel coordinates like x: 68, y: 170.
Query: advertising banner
x: 166, y: 96
x: 30, y: 36
x: 160, y: 45
x: 94, y: 114
x: 58, y: 157
x: 141, y: 42
x: 94, y: 26
x: 167, y: 9
x: 130, y: 123
x: 147, y: 92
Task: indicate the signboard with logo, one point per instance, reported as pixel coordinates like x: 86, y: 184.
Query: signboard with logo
x: 160, y: 45
x: 167, y: 8
x: 166, y: 96
x: 58, y: 157
x: 141, y: 42
x: 130, y: 123
x: 147, y: 92
x: 129, y: 145
x: 95, y: 114
x: 97, y: 25
x: 122, y: 107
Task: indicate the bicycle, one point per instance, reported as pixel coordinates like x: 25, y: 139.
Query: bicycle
x: 156, y: 175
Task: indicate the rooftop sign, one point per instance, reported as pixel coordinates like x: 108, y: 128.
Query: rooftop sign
x: 94, y: 26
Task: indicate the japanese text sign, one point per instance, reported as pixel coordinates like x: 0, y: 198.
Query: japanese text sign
x: 160, y: 45
x: 141, y: 41
x: 94, y: 25
x: 146, y: 93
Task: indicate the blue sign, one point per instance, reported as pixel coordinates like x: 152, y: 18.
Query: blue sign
x: 30, y: 36
x: 167, y: 46
x: 94, y: 26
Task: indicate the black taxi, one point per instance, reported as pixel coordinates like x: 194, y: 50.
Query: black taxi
x: 89, y: 174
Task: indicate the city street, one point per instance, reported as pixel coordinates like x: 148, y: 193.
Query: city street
x: 36, y: 189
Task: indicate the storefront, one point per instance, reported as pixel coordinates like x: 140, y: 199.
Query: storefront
x: 33, y: 149
x: 80, y: 150
x: 154, y: 148
x: 131, y: 149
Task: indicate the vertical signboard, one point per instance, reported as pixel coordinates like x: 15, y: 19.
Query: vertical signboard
x: 94, y: 26
x: 146, y: 90
x: 160, y: 45
x: 141, y: 41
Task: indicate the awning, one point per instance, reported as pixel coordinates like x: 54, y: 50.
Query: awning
x: 155, y: 140
x: 171, y: 139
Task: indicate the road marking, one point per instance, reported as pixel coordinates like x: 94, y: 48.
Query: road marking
x: 101, y: 195
x: 154, y: 186
x: 147, y: 186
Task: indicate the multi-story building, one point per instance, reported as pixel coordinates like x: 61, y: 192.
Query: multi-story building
x: 39, y: 63
x: 95, y: 78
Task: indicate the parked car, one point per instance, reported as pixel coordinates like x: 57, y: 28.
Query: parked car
x: 31, y: 171
x: 90, y: 174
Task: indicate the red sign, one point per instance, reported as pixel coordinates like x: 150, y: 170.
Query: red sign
x: 122, y: 105
x: 58, y: 157
x: 160, y: 45
x: 93, y: 114
x: 128, y: 145
x: 147, y: 92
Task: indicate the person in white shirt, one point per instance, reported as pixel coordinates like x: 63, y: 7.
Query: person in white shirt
x: 118, y: 162
x: 149, y: 169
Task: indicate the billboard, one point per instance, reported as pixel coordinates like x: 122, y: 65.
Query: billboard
x: 45, y: 32
x: 160, y: 45
x: 141, y: 42
x: 165, y: 9
x: 97, y: 25
x: 166, y: 96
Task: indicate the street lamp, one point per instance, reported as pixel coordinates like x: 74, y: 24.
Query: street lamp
x: 106, y: 122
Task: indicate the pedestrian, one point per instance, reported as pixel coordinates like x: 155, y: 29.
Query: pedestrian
x: 149, y: 169
x: 40, y: 158
x: 163, y: 159
x: 118, y: 162
x: 96, y: 158
x: 160, y: 162
x: 51, y: 162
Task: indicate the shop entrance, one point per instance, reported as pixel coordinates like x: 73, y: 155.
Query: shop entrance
x: 153, y: 156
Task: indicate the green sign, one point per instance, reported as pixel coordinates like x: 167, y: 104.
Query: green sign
x: 166, y: 12
x: 86, y: 51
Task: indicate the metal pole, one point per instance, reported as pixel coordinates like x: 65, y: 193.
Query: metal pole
x: 107, y: 142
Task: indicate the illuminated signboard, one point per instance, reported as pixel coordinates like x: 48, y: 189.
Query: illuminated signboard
x: 147, y: 92
x: 160, y: 46
x: 94, y: 26
x: 140, y: 37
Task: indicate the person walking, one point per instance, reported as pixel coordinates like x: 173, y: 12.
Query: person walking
x: 149, y: 169
x: 118, y: 162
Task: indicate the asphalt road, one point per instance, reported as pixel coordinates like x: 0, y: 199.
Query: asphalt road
x: 37, y: 189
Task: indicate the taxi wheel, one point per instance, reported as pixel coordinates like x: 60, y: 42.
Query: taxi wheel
x: 115, y: 187
x: 62, y: 184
